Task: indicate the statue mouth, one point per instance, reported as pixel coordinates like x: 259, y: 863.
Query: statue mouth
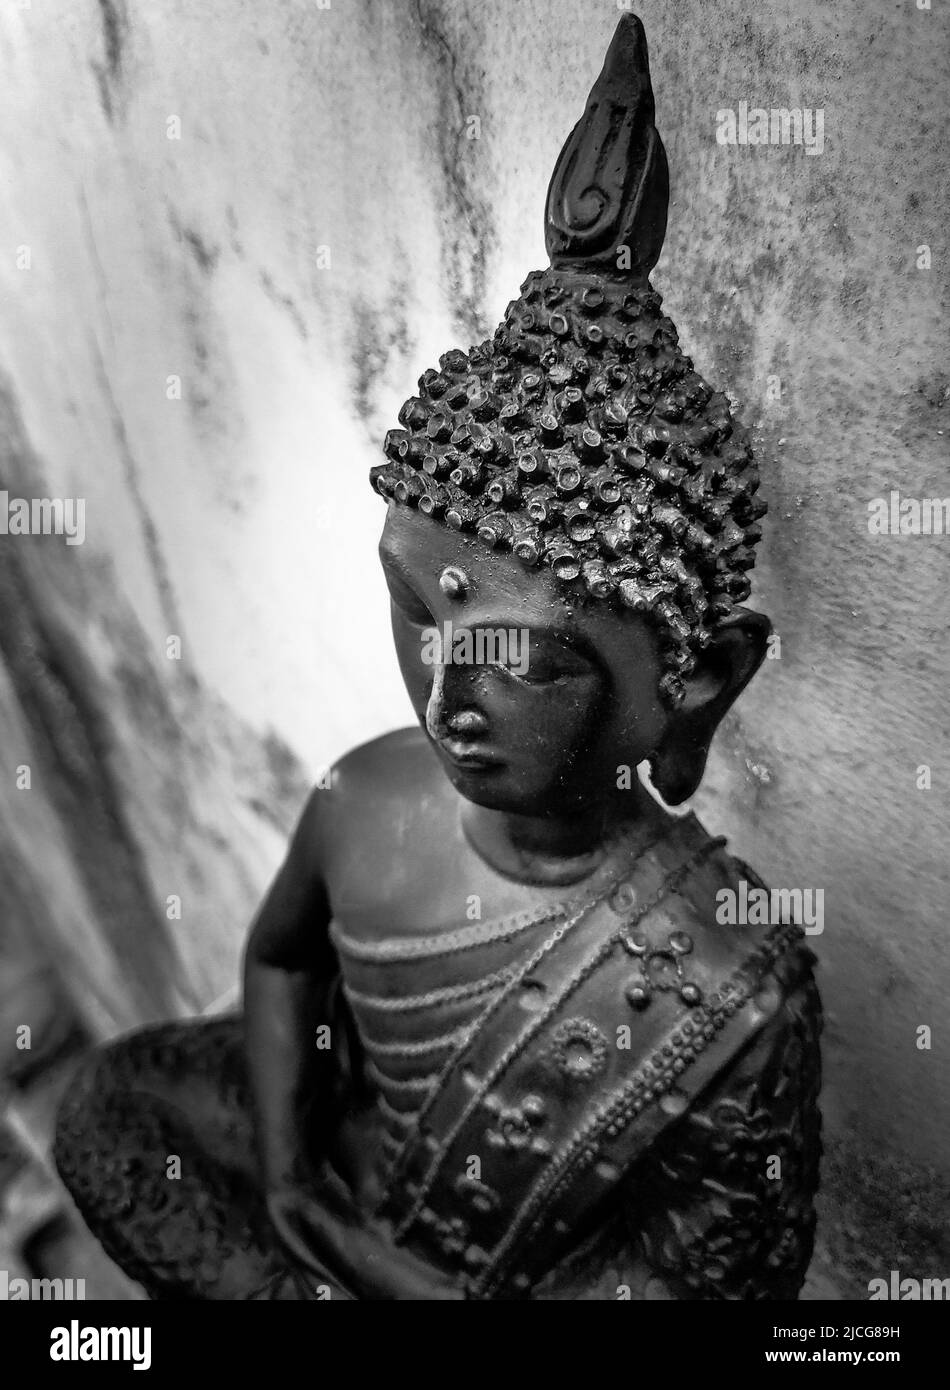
x: 465, y: 754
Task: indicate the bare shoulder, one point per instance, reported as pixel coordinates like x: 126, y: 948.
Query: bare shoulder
x: 379, y: 798
x: 378, y: 767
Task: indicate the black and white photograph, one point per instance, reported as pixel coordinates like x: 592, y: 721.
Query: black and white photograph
x: 474, y: 742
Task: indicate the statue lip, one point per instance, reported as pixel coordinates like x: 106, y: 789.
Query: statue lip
x: 466, y: 754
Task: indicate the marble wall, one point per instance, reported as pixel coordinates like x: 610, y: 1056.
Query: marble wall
x: 231, y: 237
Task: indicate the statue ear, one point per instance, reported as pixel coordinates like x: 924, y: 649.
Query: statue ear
x: 723, y: 670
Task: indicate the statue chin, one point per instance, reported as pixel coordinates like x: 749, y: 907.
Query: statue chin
x: 504, y: 791
x: 500, y: 789
x: 491, y: 793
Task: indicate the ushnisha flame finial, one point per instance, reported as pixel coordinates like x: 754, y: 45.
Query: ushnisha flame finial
x: 610, y: 189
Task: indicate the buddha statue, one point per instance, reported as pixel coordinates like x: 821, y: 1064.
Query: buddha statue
x: 494, y: 1042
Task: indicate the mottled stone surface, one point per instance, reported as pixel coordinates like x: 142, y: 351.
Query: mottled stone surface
x: 239, y: 517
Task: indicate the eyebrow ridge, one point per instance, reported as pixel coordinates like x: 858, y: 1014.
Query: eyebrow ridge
x: 391, y: 559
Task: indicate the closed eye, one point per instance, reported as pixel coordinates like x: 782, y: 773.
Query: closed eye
x: 540, y: 660
x: 543, y: 673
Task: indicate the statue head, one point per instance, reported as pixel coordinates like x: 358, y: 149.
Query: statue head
x: 575, y: 485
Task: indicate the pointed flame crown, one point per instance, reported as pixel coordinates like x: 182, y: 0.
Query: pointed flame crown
x: 580, y: 436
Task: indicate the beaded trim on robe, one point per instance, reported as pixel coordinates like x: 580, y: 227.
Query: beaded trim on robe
x: 516, y: 1094
x: 650, y: 1084
x: 417, y: 1049
x: 422, y: 1029
x: 433, y: 1163
x: 396, y: 948
x: 412, y: 1003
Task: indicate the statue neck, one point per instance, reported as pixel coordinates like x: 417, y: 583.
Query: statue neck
x: 557, y: 849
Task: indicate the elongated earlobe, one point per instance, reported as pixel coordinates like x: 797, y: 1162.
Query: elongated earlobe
x: 728, y: 664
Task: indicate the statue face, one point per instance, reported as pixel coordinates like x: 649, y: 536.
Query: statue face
x: 531, y: 702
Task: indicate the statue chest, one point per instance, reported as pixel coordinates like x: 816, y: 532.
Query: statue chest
x: 514, y: 1058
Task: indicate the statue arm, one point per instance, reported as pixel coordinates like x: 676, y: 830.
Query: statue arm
x: 288, y: 965
x: 290, y: 968
x: 724, y: 1206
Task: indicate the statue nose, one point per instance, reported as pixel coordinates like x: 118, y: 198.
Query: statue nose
x: 468, y: 722
x: 463, y: 723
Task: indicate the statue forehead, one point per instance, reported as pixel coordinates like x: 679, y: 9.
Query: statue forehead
x: 462, y: 567
x: 429, y: 554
